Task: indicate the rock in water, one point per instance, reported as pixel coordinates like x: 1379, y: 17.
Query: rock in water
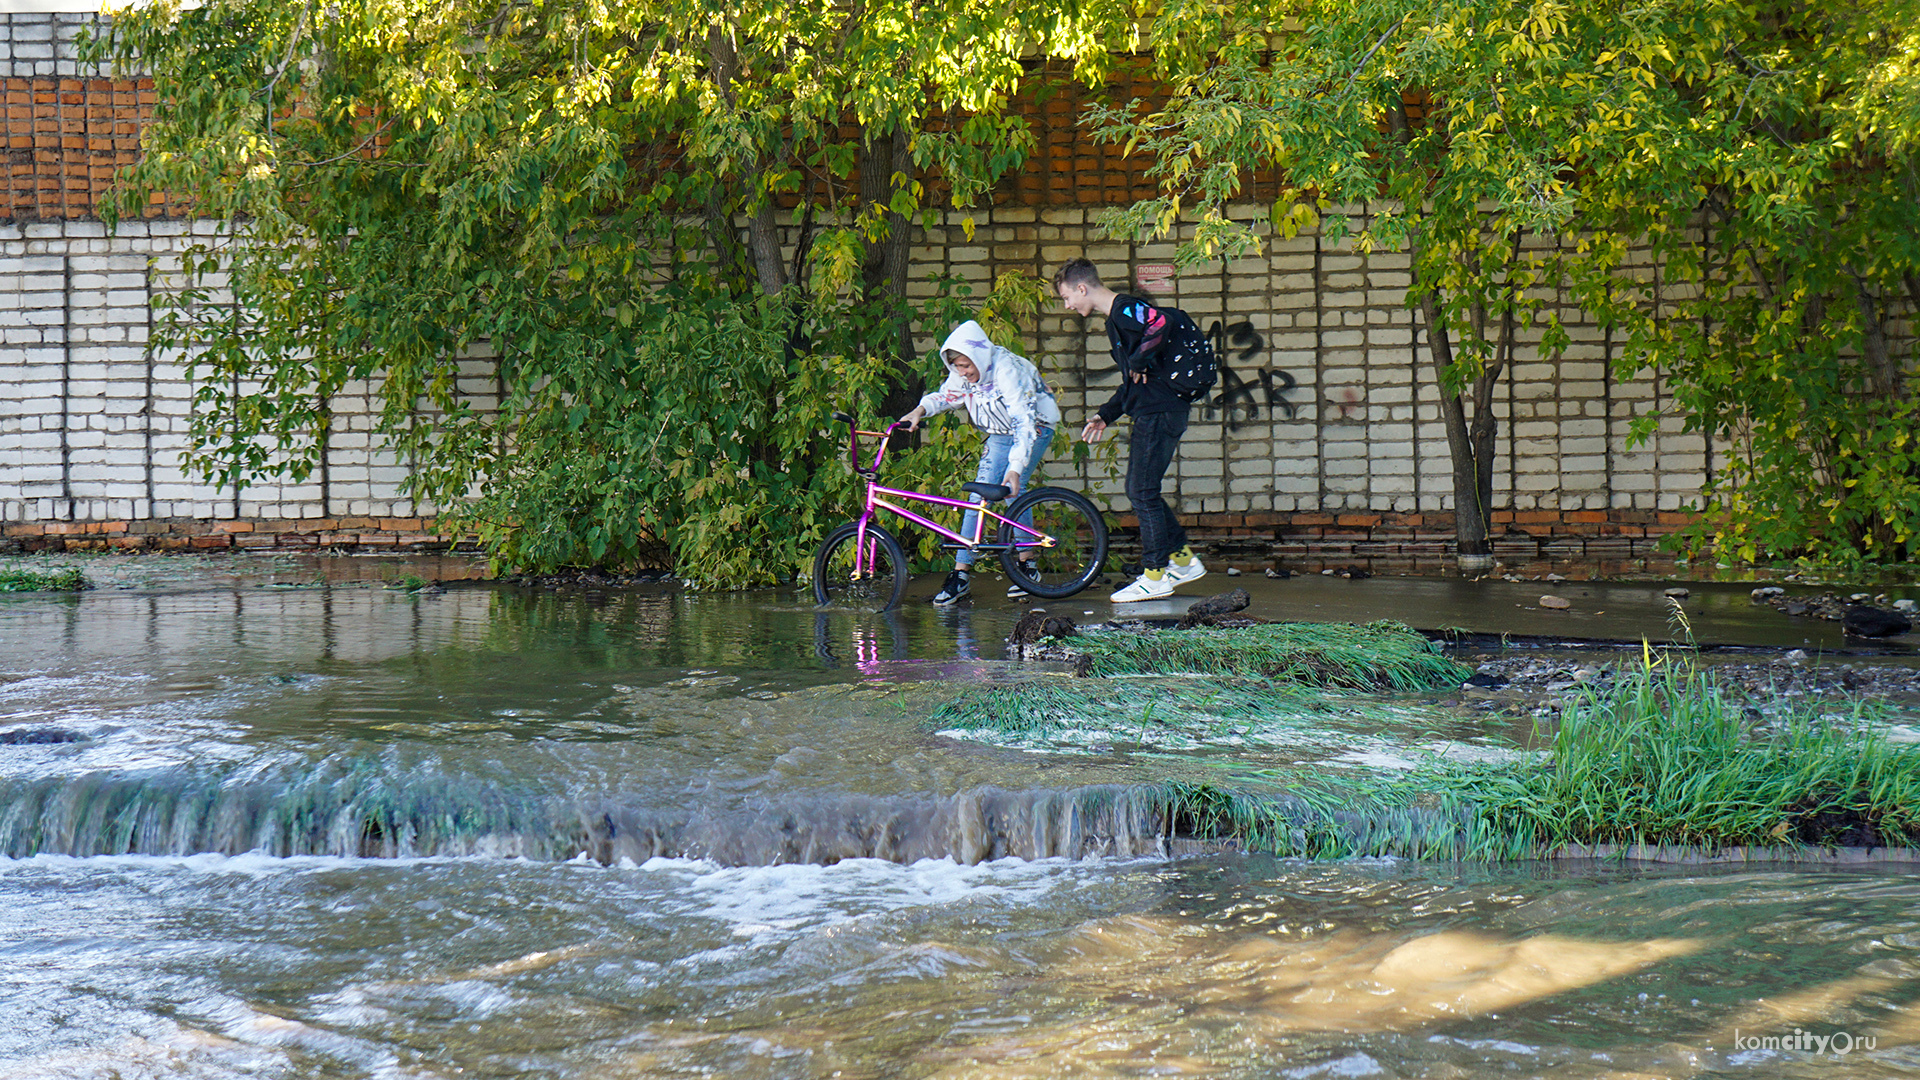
x: 1035, y: 625
x: 1277, y: 573
x: 1678, y: 593
x: 1219, y: 611
x: 1225, y: 603
x: 1872, y: 622
x: 1555, y: 603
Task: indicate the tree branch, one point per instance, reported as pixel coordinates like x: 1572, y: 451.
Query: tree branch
x: 1391, y: 30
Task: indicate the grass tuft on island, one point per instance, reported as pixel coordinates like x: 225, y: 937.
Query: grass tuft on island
x: 1040, y: 707
x: 69, y: 579
x: 1661, y: 757
x: 1666, y: 757
x: 1375, y: 656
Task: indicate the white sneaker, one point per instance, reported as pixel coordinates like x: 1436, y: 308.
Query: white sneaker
x: 1193, y: 571
x: 1144, y: 588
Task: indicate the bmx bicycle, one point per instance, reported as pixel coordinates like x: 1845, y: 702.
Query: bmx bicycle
x: 1052, y: 542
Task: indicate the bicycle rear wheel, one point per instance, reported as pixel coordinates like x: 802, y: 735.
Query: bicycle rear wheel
x: 879, y: 588
x: 1078, y: 547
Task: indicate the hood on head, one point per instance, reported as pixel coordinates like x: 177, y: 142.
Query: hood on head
x: 971, y: 341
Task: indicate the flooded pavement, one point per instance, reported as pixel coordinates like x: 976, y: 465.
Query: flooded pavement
x: 278, y: 819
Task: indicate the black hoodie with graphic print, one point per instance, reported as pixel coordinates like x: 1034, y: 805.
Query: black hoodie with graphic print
x: 1137, y: 331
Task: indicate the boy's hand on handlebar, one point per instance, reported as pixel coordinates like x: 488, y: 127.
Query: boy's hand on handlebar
x: 911, y: 421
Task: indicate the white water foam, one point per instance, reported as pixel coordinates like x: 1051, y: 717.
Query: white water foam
x: 765, y: 903
x: 249, y: 864
x: 1354, y: 1064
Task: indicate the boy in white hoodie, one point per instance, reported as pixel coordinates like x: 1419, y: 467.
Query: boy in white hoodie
x: 1005, y: 398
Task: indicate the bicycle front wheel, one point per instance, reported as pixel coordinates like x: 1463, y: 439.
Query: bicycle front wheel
x: 877, y: 581
x: 1068, y: 553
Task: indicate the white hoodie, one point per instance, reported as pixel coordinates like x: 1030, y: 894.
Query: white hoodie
x: 1009, y: 399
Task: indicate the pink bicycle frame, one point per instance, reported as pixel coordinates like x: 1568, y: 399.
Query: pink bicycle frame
x: 863, y: 556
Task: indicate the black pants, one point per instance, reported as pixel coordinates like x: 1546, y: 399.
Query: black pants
x: 1150, y: 449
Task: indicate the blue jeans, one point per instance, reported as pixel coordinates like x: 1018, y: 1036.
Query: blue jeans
x: 993, y: 470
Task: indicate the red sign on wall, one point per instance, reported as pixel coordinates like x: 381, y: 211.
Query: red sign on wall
x: 1154, y: 277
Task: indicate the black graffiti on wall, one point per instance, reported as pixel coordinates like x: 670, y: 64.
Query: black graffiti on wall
x: 1241, y: 397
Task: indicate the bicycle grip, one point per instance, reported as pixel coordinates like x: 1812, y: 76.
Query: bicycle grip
x: 843, y: 418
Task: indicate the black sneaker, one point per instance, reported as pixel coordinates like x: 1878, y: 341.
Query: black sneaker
x: 955, y: 589
x: 1014, y: 591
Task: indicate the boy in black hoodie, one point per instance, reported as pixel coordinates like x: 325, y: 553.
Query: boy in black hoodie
x: 1138, y: 333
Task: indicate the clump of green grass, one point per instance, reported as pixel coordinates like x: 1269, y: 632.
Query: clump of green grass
x: 1039, y: 707
x: 1357, y: 819
x: 67, y: 580
x: 1376, y: 656
x: 1664, y: 757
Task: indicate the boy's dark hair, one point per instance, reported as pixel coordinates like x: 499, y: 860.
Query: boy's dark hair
x: 1077, y: 272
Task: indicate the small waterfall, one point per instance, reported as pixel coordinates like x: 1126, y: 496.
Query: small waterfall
x: 370, y: 808
x: 341, y: 806
x: 973, y: 826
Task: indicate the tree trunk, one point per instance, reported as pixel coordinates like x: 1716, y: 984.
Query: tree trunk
x: 883, y: 276
x: 1469, y: 444
x: 1883, y: 370
x: 763, y: 228
x: 1472, y: 481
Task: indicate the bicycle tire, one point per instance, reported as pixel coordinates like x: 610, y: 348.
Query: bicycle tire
x: 880, y: 591
x: 1079, y: 554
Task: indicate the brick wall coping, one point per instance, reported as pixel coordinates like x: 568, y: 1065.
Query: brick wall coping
x: 1246, y: 536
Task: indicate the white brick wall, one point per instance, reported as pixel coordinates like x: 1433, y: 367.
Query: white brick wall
x: 41, y: 43
x: 1332, y: 402
x: 92, y: 429
x: 1322, y: 328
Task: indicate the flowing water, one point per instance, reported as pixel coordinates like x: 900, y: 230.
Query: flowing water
x: 264, y: 827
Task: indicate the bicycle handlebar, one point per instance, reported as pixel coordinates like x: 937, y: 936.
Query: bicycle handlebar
x: 870, y: 472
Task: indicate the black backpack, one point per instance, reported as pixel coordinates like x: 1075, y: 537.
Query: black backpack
x: 1187, y: 360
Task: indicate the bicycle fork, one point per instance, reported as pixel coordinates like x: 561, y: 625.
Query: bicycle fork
x: 863, y: 554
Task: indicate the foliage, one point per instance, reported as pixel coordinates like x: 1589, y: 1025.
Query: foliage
x: 520, y: 228
x: 1782, y: 310
x: 1447, y: 122
x: 70, y: 579
x: 1524, y: 154
x: 1379, y: 655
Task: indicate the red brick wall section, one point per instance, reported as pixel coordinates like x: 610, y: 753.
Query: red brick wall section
x: 65, y: 137
x: 301, y: 534
x: 1249, y: 538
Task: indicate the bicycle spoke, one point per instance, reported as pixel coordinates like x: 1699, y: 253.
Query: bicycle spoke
x: 875, y: 582
x: 1068, y: 553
